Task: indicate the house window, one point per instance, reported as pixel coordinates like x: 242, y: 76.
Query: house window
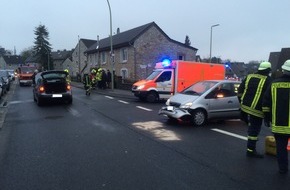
x: 103, y: 57
x: 180, y: 57
x: 124, y: 55
x: 124, y: 73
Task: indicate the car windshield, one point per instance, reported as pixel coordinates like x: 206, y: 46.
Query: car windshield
x: 54, y: 75
x: 199, y: 88
x: 27, y: 69
x: 153, y: 75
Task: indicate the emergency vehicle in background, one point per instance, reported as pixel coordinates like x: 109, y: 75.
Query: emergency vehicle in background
x: 25, y: 74
x: 170, y: 77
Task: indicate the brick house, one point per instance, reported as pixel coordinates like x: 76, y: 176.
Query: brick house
x: 136, y: 51
x: 78, y: 57
x: 59, y: 57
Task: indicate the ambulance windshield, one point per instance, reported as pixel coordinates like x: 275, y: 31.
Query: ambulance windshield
x: 153, y: 75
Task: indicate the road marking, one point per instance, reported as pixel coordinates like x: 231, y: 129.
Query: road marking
x: 146, y: 109
x: 110, y: 97
x: 74, y: 112
x: 123, y: 102
x: 230, y: 134
x: 18, y: 101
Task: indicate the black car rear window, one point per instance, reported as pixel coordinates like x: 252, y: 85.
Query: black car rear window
x: 54, y: 75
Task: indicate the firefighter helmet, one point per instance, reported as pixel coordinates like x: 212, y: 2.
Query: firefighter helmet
x: 286, y: 65
x: 66, y: 70
x: 264, y: 65
x: 93, y: 71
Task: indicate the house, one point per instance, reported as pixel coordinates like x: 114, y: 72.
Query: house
x: 277, y: 59
x: 79, y: 59
x: 59, y: 57
x: 136, y: 51
x: 10, y: 61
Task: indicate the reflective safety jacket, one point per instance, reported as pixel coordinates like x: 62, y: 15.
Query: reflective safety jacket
x: 276, y: 105
x: 251, y: 92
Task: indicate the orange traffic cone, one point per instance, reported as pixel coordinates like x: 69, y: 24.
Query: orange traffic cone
x: 288, y: 146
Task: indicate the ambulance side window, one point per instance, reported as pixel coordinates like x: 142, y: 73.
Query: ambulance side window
x: 165, y: 76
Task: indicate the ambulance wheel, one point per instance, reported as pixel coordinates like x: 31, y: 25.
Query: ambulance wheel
x: 152, y: 97
x: 198, y: 117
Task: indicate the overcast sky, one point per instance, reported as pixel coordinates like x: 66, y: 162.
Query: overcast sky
x: 248, y: 29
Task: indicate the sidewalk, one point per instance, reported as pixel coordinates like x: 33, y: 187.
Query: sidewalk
x: 114, y: 92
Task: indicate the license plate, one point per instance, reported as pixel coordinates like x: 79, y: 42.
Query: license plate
x: 169, y: 108
x: 57, y: 95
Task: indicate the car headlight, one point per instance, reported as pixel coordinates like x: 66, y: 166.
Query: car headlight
x: 186, y: 106
x: 167, y: 102
x: 140, y: 87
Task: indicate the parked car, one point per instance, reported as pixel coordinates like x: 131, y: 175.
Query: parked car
x: 4, y: 74
x: 204, y: 100
x: 1, y: 88
x: 51, y: 86
x: 11, y: 75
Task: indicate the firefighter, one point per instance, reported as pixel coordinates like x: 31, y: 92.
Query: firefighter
x: 99, y: 77
x: 250, y: 94
x: 93, y: 77
x: 68, y: 76
x: 87, y: 84
x: 277, y: 114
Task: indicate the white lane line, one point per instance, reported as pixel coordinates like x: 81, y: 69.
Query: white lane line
x: 230, y: 134
x: 123, y: 102
x: 74, y: 112
x: 110, y: 97
x: 18, y: 101
x: 140, y: 107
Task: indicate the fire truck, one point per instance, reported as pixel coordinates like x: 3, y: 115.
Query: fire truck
x: 25, y: 74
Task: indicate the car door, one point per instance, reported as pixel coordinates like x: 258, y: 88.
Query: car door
x: 164, y: 84
x: 223, y: 102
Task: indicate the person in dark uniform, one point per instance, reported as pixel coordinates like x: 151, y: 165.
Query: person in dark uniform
x: 277, y: 114
x: 250, y: 94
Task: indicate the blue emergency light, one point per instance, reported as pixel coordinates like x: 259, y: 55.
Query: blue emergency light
x: 166, y: 63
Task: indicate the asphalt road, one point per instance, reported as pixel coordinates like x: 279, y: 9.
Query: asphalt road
x: 104, y: 141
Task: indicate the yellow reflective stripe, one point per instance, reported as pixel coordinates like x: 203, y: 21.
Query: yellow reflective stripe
x: 246, y: 86
x: 274, y: 101
x: 252, y: 138
x: 281, y: 129
x: 258, y: 92
x: 252, y: 111
x: 265, y: 109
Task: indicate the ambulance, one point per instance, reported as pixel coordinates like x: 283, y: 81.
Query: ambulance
x: 170, y: 77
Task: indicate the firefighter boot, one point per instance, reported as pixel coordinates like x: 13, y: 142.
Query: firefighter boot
x: 254, y: 154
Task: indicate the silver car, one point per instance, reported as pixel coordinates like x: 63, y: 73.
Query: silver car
x: 204, y: 100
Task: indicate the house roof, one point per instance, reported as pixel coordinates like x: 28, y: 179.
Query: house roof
x: 284, y: 55
x: 88, y: 43
x: 13, y: 59
x: 273, y: 59
x: 61, y: 55
x: 127, y: 38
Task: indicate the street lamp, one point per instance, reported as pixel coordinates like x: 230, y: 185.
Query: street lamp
x: 111, y: 42
x: 211, y: 40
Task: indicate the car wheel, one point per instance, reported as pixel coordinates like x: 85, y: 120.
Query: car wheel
x: 198, y: 117
x: 152, y: 97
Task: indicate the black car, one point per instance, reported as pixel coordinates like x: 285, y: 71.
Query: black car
x: 52, y: 86
x: 5, y: 80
